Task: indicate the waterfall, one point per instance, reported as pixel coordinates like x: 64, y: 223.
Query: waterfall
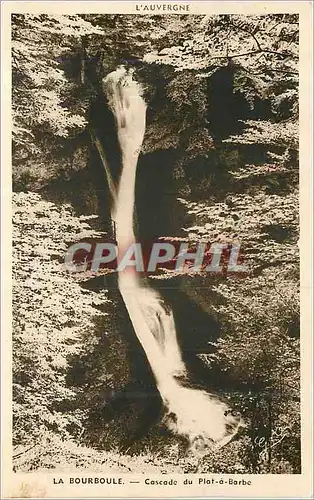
x: 193, y: 413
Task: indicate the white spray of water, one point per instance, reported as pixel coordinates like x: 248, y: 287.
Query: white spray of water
x: 189, y: 412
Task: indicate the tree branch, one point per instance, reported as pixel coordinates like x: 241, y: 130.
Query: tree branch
x: 254, y: 52
x: 24, y: 451
x: 248, y: 33
x: 259, y: 47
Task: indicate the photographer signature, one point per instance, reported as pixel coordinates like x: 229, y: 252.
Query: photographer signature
x: 277, y: 435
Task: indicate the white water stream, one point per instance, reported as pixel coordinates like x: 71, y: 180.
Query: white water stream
x: 190, y: 412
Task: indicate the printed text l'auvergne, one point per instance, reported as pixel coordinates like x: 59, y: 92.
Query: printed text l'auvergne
x: 157, y: 7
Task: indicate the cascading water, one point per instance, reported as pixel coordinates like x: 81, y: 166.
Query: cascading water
x: 189, y: 412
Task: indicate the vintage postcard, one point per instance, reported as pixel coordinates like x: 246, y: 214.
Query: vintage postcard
x: 157, y: 239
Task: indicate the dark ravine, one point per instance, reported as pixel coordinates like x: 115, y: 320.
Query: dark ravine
x: 191, y: 413
x: 158, y: 213
x: 155, y: 204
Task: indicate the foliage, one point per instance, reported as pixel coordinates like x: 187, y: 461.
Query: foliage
x: 264, y: 225
x: 67, y: 456
x: 251, y: 198
x: 51, y: 315
x: 45, y: 108
x: 283, y: 134
x: 260, y: 354
x: 257, y: 355
x: 40, y: 87
x: 260, y: 53
x: 264, y: 44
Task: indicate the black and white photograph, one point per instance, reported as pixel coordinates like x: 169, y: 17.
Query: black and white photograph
x: 155, y: 248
